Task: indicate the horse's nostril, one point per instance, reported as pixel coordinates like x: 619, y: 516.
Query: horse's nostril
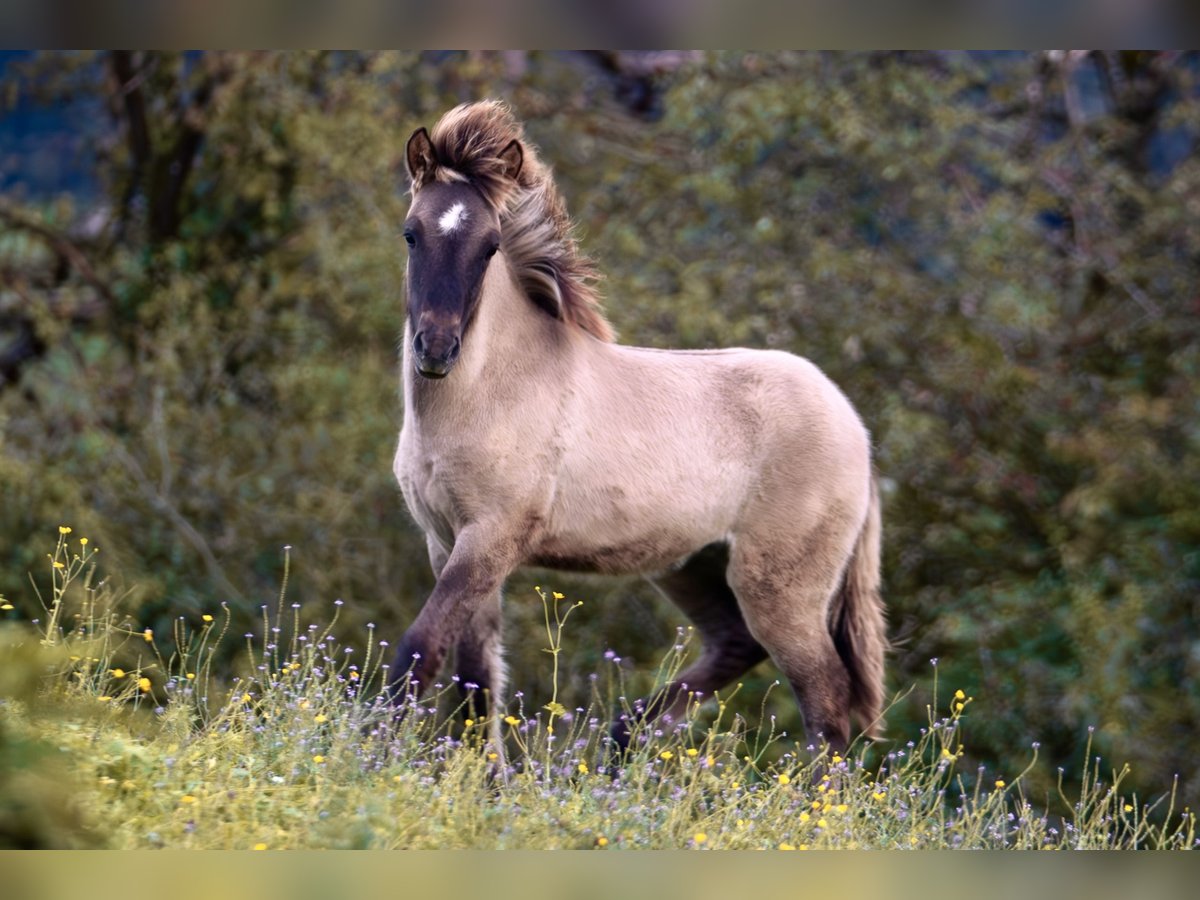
x: 453, y: 352
x: 419, y: 345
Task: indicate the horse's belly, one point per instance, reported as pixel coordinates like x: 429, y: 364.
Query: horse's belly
x: 642, y: 554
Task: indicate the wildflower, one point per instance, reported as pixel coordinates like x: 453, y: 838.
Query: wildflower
x: 83, y: 541
x: 821, y: 823
x: 1000, y: 782
x: 841, y: 807
x: 320, y: 718
x: 260, y: 846
x: 64, y: 529
x: 699, y: 837
x: 58, y: 564
x: 786, y: 846
x: 104, y: 699
x: 512, y: 721
x: 318, y: 759
x: 804, y: 817
x: 583, y: 768
x: 959, y: 695
x: 836, y: 759
x: 735, y: 784
x: 469, y: 722
x: 118, y: 673
x: 1128, y: 807
x: 816, y: 804
x: 692, y: 751
x: 492, y: 757
x: 144, y: 685
x: 148, y: 634
x: 5, y: 605
x: 246, y: 698
x: 710, y: 761
x: 187, y: 798
x: 602, y: 841
x: 667, y: 755
x: 206, y: 618
x: 879, y: 795
x: 191, y: 676
x: 556, y: 595
x: 958, y: 707
x: 785, y: 780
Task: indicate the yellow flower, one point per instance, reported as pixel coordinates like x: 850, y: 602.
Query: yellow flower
x: 187, y: 798
x: 104, y: 699
x: 191, y: 676
x: 946, y: 754
x: 246, y: 698
x: 556, y: 595
x: 148, y: 634
x: 692, y: 751
x: 260, y: 846
x: 5, y: 605
x: 354, y: 676
x: 959, y: 695
x: 64, y: 529
x: 785, y: 780
x: 206, y: 618
x: 710, y: 761
x: 802, y: 847
x: 512, y: 720
x: 816, y: 804
x: 118, y: 673
x: 144, y: 685
x: 786, y: 846
x: 735, y: 784
x: 1128, y: 807
x: 879, y: 795
x: 58, y: 564
x: 601, y: 841
x: 821, y: 823
x: 699, y: 837
x: 804, y: 817
x: 667, y: 755
x: 469, y: 722
x: 320, y: 718
x: 958, y: 707
x: 83, y: 541
x: 318, y: 759
x: 492, y: 757
x: 836, y: 759
x: 583, y: 768
x: 1000, y: 782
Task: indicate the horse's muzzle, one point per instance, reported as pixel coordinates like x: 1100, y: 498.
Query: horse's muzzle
x: 435, y: 353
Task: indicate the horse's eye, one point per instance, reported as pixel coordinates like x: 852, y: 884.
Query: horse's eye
x: 492, y: 250
x: 410, y: 239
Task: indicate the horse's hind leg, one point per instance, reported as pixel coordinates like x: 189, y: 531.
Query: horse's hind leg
x: 700, y: 590
x: 785, y: 589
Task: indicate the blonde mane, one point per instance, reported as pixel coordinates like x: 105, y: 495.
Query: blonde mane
x: 536, y: 232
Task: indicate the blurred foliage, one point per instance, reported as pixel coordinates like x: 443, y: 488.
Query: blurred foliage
x: 996, y: 256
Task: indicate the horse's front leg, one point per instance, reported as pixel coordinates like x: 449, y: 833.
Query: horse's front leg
x: 466, y: 596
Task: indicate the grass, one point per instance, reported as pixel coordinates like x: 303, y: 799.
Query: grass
x: 115, y: 736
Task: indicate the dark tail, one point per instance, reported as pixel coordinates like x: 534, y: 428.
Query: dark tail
x: 858, y: 625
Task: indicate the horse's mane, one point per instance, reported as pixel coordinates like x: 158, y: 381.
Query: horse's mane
x: 536, y: 232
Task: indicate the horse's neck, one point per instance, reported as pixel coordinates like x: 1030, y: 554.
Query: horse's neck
x: 510, y: 344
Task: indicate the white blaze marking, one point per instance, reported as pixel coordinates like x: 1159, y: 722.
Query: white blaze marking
x: 452, y: 218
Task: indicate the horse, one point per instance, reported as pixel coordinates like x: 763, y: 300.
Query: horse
x: 738, y: 481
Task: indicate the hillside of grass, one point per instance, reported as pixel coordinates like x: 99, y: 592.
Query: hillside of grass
x: 117, y: 735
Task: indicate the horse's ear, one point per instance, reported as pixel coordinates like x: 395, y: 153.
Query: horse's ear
x: 512, y: 156
x: 420, y: 157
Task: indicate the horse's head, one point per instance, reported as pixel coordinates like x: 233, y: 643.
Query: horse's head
x: 452, y: 233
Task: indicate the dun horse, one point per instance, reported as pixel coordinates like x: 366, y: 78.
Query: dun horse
x: 738, y: 481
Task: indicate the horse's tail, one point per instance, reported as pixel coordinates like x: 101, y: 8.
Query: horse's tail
x: 858, y: 625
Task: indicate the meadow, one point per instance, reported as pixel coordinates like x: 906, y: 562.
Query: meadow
x: 117, y: 735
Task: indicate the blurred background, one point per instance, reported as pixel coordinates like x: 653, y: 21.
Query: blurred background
x: 996, y: 255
